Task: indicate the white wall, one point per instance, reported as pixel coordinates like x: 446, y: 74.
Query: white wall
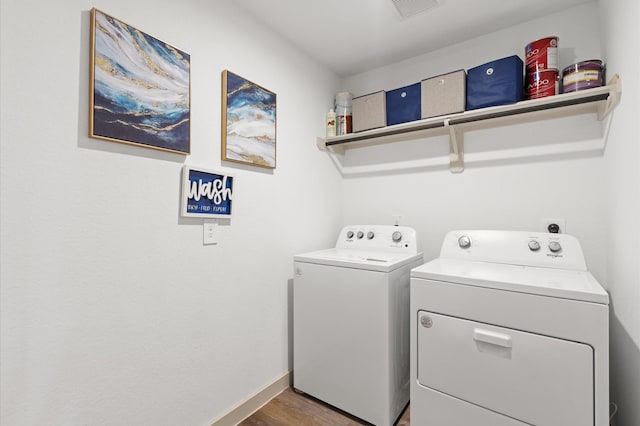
x: 622, y: 158
x: 577, y: 29
x: 113, y: 312
x: 508, y: 194
x: 599, y: 195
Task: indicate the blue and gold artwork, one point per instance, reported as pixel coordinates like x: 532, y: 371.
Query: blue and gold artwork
x: 140, y: 88
x: 249, y: 122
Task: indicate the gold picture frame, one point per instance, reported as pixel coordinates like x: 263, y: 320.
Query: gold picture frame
x: 140, y: 90
x: 248, y: 122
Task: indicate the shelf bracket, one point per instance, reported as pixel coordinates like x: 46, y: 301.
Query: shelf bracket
x: 456, y: 148
x: 321, y: 143
x: 613, y: 100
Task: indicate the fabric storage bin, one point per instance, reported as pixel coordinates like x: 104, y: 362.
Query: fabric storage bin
x: 499, y: 82
x: 369, y: 112
x: 444, y: 94
x: 403, y: 104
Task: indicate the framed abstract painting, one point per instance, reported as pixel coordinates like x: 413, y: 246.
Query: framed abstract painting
x: 140, y: 87
x: 248, y: 122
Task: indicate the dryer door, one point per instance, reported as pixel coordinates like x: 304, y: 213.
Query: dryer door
x: 533, y: 378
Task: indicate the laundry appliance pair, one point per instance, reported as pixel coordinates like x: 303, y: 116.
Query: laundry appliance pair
x: 503, y: 328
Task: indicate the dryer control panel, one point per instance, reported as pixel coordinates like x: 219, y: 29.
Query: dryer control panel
x: 378, y: 237
x: 515, y: 248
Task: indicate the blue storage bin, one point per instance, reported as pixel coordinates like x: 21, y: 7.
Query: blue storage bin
x: 403, y: 104
x: 499, y: 82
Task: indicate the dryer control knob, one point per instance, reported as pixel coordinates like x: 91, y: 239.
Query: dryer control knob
x: 360, y: 235
x: 349, y: 235
x: 370, y: 235
x: 534, y: 245
x: 555, y: 246
x: 396, y: 236
x: 464, y: 241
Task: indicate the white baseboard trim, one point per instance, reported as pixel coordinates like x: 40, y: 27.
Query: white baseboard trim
x: 254, y: 403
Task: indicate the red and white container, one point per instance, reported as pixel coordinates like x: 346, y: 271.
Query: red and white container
x: 541, y: 54
x: 542, y: 83
x: 344, y: 119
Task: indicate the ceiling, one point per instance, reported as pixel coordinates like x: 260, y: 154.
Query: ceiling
x: 353, y: 36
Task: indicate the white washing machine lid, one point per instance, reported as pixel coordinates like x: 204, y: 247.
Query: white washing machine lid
x: 359, y: 259
x: 561, y: 283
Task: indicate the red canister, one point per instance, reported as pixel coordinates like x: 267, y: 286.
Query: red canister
x: 541, y: 54
x: 542, y: 83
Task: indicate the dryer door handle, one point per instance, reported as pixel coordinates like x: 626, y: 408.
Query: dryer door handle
x: 491, y: 337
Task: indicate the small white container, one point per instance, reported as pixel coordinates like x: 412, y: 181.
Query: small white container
x: 331, y: 123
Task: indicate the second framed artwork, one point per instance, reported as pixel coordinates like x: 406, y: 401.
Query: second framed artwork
x: 248, y: 122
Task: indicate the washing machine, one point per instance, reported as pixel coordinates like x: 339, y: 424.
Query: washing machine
x: 351, y: 321
x: 508, y: 328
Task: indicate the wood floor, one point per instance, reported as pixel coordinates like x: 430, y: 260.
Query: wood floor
x: 293, y: 409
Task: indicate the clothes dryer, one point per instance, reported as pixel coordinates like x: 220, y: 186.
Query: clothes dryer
x: 351, y: 321
x: 508, y: 328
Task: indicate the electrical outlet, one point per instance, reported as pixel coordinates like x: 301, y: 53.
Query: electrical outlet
x: 548, y: 225
x: 210, y: 230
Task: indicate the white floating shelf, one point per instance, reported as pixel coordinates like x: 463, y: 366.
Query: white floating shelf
x: 599, y: 100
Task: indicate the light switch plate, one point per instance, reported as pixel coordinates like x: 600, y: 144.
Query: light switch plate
x: 210, y: 231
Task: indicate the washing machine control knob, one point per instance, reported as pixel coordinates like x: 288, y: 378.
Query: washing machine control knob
x: 555, y: 246
x: 360, y: 235
x: 349, y: 235
x: 464, y: 241
x: 370, y: 235
x: 396, y: 236
x: 534, y: 245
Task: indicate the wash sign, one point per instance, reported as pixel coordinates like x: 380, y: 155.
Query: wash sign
x: 206, y: 193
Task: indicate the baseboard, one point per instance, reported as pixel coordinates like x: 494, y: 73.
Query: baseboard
x: 251, y: 405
